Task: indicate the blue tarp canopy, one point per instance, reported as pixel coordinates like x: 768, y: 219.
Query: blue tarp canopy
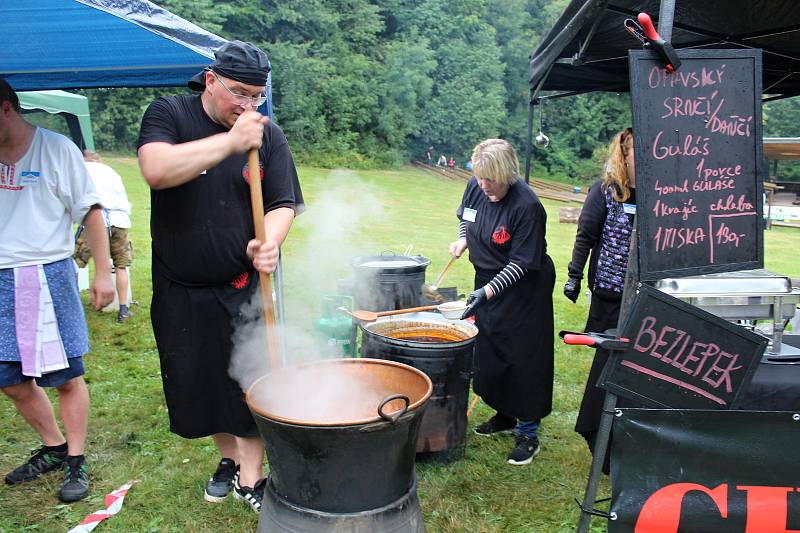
x: 80, y: 44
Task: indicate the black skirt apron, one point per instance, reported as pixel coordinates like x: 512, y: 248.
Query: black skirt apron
x: 514, y: 346
x: 603, y: 315
x: 195, y: 353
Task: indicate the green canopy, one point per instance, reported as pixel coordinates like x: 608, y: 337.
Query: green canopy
x: 74, y: 108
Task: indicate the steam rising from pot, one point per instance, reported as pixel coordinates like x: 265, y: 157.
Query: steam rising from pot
x: 316, y: 254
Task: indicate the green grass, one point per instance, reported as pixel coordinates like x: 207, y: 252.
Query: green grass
x: 348, y: 214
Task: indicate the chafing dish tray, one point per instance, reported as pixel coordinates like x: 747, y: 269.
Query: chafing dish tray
x: 743, y: 295
x: 737, y: 296
x: 757, y: 282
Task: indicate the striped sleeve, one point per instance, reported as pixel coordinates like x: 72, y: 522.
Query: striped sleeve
x: 511, y: 274
x: 462, y: 230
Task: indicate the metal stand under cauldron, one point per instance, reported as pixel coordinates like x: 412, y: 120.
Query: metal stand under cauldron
x: 340, y: 436
x: 402, y: 515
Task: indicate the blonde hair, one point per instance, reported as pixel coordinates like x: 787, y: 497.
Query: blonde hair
x: 496, y: 160
x: 616, y: 171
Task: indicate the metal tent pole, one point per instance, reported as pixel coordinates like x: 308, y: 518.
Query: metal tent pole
x: 598, y: 456
x: 666, y: 15
x: 609, y: 404
x: 528, y: 142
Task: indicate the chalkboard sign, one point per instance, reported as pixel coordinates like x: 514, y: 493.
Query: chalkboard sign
x: 681, y: 357
x: 698, y: 153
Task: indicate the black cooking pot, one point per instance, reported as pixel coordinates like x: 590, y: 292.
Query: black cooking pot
x: 386, y: 282
x: 340, y: 434
x: 443, y: 349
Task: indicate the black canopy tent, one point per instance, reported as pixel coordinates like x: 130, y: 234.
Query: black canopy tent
x: 588, y: 46
x: 587, y: 49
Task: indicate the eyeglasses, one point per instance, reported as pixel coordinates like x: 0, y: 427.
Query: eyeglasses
x: 242, y: 99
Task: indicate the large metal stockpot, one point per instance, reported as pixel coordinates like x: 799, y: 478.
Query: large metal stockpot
x: 386, y: 282
x: 443, y: 349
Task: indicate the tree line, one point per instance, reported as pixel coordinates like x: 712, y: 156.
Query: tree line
x: 374, y: 83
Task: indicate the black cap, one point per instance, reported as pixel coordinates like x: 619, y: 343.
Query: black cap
x: 236, y: 60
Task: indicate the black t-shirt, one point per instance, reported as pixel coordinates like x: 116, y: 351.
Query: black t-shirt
x: 511, y: 230
x: 200, y: 229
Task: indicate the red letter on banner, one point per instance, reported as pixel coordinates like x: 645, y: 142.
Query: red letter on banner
x: 767, y: 509
x: 661, y: 513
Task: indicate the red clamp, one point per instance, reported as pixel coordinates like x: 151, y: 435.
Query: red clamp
x: 595, y: 340
x: 649, y: 37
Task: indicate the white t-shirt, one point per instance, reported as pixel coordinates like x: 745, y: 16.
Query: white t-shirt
x: 41, y: 196
x: 112, y: 194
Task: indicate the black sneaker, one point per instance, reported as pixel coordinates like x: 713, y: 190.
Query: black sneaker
x: 123, y: 315
x: 221, y: 482
x: 526, y: 449
x: 251, y: 495
x: 499, y: 423
x: 41, y: 461
x: 76, y: 480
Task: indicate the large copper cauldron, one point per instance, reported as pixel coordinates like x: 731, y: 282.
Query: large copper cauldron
x: 340, y: 438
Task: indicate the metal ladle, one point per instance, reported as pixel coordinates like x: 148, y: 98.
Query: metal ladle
x: 431, y: 292
x: 372, y: 316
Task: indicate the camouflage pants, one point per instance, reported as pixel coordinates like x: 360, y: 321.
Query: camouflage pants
x: 121, y: 249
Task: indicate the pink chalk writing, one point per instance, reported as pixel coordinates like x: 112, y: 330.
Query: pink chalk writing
x: 664, y: 190
x: 706, y: 360
x: 667, y: 238
x: 724, y: 234
x: 662, y: 209
x: 697, y: 157
x: 717, y: 172
x: 669, y: 379
x: 732, y: 204
x: 713, y: 185
x: 692, y: 145
x: 732, y: 126
x: 692, y: 79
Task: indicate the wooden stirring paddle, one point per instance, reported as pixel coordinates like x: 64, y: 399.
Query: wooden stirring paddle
x: 372, y: 316
x: 264, y: 281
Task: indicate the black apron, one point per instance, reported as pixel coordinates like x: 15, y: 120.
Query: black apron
x: 514, y: 346
x: 603, y: 315
x: 195, y: 353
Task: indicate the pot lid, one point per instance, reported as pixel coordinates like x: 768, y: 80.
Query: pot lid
x: 739, y: 283
x: 390, y: 261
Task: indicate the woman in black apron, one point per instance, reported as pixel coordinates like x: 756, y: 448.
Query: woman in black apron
x: 503, y: 226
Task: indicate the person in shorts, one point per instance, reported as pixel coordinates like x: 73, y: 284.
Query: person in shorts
x: 117, y: 217
x: 44, y: 189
